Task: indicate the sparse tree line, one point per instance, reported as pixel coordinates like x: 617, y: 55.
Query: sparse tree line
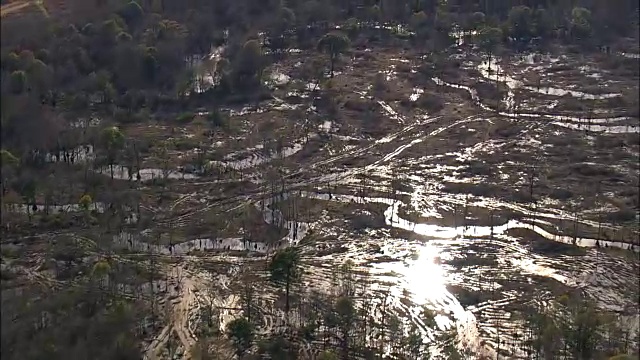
x: 351, y: 322
x: 123, y: 57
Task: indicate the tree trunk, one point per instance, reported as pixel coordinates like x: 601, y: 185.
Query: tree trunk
x: 332, y: 61
x: 286, y: 306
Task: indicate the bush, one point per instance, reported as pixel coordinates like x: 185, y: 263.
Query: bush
x: 430, y: 102
x: 358, y: 105
x: 185, y: 117
x: 403, y: 68
x: 218, y: 119
x: 586, y: 169
x: 561, y: 194
x: 125, y: 117
x: 184, y: 144
x: 622, y: 215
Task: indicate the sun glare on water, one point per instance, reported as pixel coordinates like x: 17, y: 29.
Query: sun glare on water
x: 424, y: 276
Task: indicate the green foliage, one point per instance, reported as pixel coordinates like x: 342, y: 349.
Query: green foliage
x: 489, y: 39
x: 185, y: 117
x: 101, y: 269
x: 277, y: 347
x: 26, y: 59
x: 327, y: 355
x: 18, y: 82
x: 112, y: 137
x: 11, y: 62
x: 132, y: 13
x: 284, y: 266
x: 477, y: 20
x: 285, y: 269
x: 85, y: 202
x: 248, y: 67
x: 622, y: 357
x: 334, y: 44
x: 520, y: 23
x: 419, y: 23
x: 580, y: 25
x: 217, y: 119
x: 241, y: 333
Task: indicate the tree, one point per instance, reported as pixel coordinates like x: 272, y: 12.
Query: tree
x: 542, y: 25
x: 8, y: 163
x: 40, y: 76
x: 489, y: 39
x: 584, y: 329
x: 113, y: 141
x: 26, y: 59
x: 18, y: 82
x: 285, y: 270
x: 334, y: 44
x: 249, y: 65
x: 27, y: 190
x: 132, y: 13
x: 279, y: 29
x: 419, y: 24
x: 345, y: 316
x: 580, y: 26
x: 241, y: 333
x: 520, y: 23
x: 85, y: 202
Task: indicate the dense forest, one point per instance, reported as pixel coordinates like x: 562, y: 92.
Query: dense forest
x: 67, y: 63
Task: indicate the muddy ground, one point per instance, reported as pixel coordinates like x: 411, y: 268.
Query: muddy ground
x: 449, y: 190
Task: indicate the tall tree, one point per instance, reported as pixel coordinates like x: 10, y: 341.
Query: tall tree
x: 113, y: 141
x: 334, y: 44
x: 285, y: 270
x: 241, y: 333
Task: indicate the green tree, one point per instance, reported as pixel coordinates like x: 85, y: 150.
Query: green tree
x: 11, y: 62
x: 345, y: 318
x: 520, y: 23
x: 26, y: 59
x: 40, y: 76
x: 18, y: 82
x: 334, y: 44
x: 132, y: 13
x: 285, y: 270
x: 8, y: 164
x: 542, y: 25
x: 27, y: 189
x: 112, y: 140
x: 584, y: 330
x: 580, y: 26
x: 249, y: 65
x: 419, y: 24
x: 241, y: 333
x: 489, y: 39
x: 85, y: 202
x: 476, y: 20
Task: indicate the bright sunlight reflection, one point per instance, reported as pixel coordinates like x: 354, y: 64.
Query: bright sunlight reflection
x: 424, y: 276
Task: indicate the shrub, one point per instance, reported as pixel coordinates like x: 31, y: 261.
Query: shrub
x: 561, y: 194
x: 185, y: 117
x: 430, y: 102
x: 218, y: 119
x: 622, y: 215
